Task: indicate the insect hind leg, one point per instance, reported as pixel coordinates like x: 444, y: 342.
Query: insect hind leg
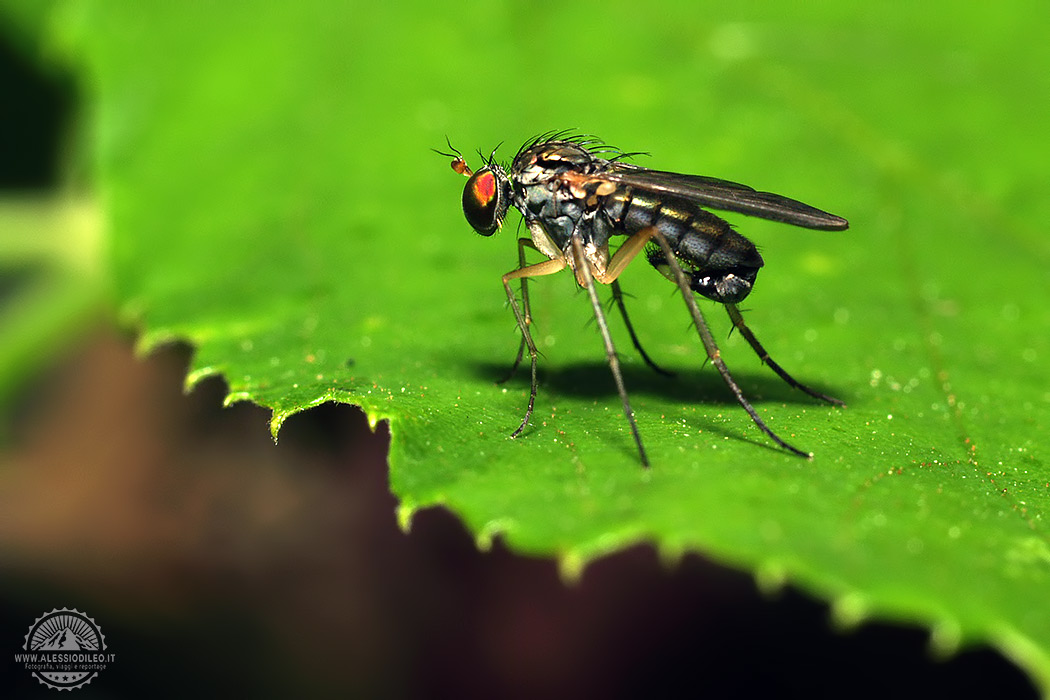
x: 738, y: 323
x: 708, y: 340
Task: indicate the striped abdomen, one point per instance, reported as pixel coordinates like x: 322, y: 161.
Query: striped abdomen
x: 720, y: 263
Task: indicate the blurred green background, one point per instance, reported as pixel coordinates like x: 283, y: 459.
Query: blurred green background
x: 279, y: 156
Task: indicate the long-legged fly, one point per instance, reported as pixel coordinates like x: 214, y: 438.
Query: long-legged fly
x: 574, y: 201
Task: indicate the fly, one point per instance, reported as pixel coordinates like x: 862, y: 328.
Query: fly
x: 576, y: 194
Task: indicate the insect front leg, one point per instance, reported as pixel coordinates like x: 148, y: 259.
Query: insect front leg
x: 522, y: 244
x: 547, y: 267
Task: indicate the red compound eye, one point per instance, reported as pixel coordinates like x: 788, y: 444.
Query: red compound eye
x: 484, y: 201
x: 484, y: 187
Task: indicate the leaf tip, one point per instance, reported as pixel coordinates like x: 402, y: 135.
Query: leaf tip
x: 490, y: 531
x: 570, y: 567
x: 276, y: 421
x: 945, y: 638
x: 231, y: 398
x: 771, y: 577
x: 150, y: 339
x: 1027, y: 653
x: 405, y: 513
x: 198, y: 375
x: 849, y: 611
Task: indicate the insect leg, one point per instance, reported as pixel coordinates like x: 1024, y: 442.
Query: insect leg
x: 618, y: 298
x: 547, y: 267
x: 627, y: 252
x: 623, y: 256
x: 583, y: 269
x: 712, y: 348
x: 738, y: 322
x: 522, y: 244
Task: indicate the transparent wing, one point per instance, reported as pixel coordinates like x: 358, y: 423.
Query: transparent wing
x: 723, y: 195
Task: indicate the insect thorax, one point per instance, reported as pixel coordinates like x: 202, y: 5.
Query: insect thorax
x: 553, y: 208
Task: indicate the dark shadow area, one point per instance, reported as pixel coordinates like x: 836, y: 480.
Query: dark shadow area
x: 215, y: 561
x: 699, y: 386
x: 34, y: 110
x: 593, y: 380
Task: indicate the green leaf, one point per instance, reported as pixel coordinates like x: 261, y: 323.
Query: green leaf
x: 272, y: 199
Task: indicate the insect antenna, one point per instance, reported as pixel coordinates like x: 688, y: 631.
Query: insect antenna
x: 455, y: 151
x: 458, y: 162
